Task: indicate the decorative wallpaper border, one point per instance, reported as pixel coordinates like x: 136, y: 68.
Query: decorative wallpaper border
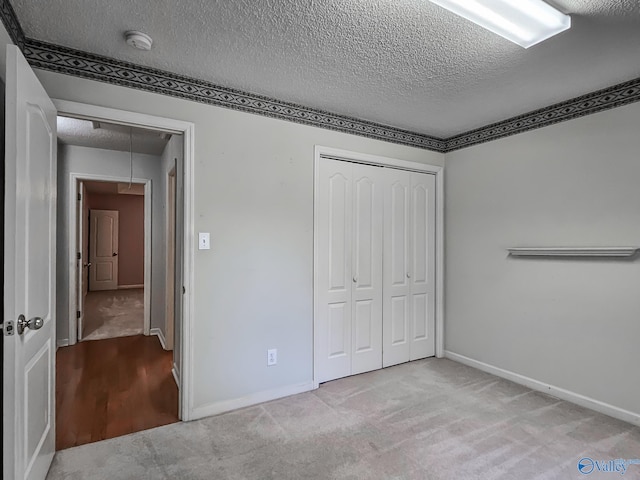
x: 95, y: 67
x: 11, y: 23
x: 74, y: 62
x: 605, y: 99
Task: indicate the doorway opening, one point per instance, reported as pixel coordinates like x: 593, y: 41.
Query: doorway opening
x: 117, y: 368
x: 111, y: 278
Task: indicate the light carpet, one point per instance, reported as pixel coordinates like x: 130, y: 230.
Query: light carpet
x: 113, y: 313
x: 430, y: 419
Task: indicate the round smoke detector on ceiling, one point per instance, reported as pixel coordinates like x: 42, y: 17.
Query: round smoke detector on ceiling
x: 138, y: 40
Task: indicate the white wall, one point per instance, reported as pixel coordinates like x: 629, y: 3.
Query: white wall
x: 573, y: 324
x: 254, y: 193
x: 72, y: 159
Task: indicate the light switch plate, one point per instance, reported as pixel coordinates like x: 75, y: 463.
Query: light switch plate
x: 272, y: 357
x: 204, y: 242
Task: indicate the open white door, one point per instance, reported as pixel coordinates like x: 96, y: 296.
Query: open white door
x: 29, y: 274
x: 103, y: 250
x: 83, y: 264
x: 171, y: 259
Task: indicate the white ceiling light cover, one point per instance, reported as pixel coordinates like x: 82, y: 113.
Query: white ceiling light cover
x: 525, y: 22
x: 138, y: 40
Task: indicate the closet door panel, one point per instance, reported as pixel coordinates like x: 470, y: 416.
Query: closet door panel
x: 398, y: 223
x: 422, y: 269
x: 397, y: 248
x: 367, y: 269
x: 338, y: 234
x: 338, y: 335
x: 420, y: 231
x: 398, y: 321
x: 364, y: 326
x: 420, y: 318
x: 333, y: 262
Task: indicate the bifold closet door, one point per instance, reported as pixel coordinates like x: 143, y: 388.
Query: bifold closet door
x: 422, y: 272
x: 349, y: 269
x: 367, y: 268
x: 333, y: 264
x: 397, y: 288
x: 409, y: 270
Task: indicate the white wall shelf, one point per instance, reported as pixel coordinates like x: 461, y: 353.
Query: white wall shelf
x: 573, y: 251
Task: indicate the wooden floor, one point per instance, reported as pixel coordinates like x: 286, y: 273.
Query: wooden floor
x: 108, y: 388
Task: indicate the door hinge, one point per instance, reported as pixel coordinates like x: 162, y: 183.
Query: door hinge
x: 7, y: 328
x: 79, y: 196
x: 79, y: 256
x: 78, y: 314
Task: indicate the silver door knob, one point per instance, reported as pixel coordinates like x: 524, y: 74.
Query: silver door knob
x: 408, y: 275
x: 355, y: 279
x: 87, y: 264
x: 34, y: 324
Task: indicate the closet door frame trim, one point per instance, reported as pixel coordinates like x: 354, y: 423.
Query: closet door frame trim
x: 367, y: 159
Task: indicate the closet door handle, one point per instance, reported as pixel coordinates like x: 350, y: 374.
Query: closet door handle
x: 408, y: 275
x: 355, y: 279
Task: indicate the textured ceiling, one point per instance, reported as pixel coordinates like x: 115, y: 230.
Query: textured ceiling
x: 405, y: 63
x: 83, y: 133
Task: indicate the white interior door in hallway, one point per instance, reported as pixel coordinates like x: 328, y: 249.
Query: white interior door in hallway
x: 103, y: 250
x: 375, y: 271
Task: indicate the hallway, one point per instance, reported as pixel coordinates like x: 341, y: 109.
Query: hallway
x: 108, y: 388
x: 113, y: 313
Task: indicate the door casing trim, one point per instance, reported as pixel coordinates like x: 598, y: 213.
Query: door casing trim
x: 74, y: 181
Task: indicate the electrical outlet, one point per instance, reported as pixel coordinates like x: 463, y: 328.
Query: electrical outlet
x: 272, y: 357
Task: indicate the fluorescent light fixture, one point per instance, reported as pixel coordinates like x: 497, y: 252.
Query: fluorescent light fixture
x: 525, y: 22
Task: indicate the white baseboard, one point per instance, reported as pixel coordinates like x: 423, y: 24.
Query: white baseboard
x: 253, y: 399
x: 62, y: 342
x: 176, y: 375
x: 569, y: 396
x: 129, y: 287
x: 160, y: 335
